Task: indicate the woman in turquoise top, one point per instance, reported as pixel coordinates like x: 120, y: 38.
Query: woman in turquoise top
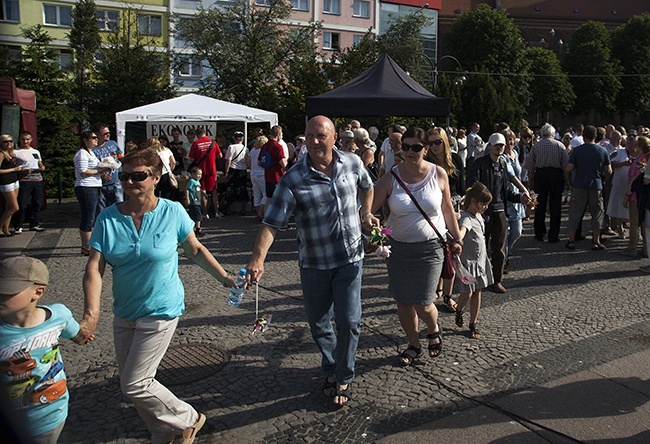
x: 139, y: 239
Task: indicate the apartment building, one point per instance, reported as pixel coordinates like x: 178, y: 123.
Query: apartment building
x: 344, y: 23
x: 55, y: 17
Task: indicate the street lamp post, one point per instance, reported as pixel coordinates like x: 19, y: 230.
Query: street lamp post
x: 435, y: 70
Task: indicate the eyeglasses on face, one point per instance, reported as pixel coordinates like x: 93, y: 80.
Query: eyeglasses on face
x: 93, y: 137
x: 107, y: 133
x: 7, y: 141
x: 436, y: 142
x: 135, y: 176
x: 416, y: 147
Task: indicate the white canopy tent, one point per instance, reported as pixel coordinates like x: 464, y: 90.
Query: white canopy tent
x: 192, y: 108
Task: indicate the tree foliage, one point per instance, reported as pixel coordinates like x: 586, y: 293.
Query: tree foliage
x: 347, y: 63
x: 589, y: 58
x: 631, y: 47
x: 403, y: 43
x: 128, y: 74
x: 247, y: 48
x: 487, y: 40
x: 40, y: 71
x: 550, y: 87
x: 84, y: 40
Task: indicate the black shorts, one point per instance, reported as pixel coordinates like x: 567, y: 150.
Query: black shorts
x: 270, y: 188
x: 195, y: 213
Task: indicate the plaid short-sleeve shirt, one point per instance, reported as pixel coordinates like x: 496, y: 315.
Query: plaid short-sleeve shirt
x: 326, y: 210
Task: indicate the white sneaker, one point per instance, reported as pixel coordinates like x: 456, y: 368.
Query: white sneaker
x: 18, y: 231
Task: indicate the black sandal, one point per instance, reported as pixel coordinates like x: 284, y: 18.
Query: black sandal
x: 459, y: 319
x: 473, y: 332
x: 435, y: 349
x: 329, y: 388
x: 343, y: 393
x: 449, y: 302
x: 406, y: 359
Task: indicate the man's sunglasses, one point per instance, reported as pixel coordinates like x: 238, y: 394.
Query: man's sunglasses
x: 416, y: 148
x: 136, y: 176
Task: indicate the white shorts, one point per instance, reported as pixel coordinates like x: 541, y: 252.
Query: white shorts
x: 12, y: 186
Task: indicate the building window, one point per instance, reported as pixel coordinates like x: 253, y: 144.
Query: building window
x: 263, y: 2
x: 356, y: 39
x: 150, y: 24
x: 107, y: 20
x: 331, y: 40
x: 361, y: 8
x: 300, y: 5
x: 9, y: 11
x: 65, y: 60
x: 189, y: 66
x: 55, y: 15
x: 332, y: 6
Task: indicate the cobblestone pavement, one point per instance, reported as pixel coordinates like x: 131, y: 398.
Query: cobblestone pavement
x: 564, y: 311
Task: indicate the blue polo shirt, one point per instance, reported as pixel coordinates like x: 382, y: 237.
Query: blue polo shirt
x: 145, y: 262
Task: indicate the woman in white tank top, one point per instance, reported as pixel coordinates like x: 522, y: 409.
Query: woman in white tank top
x: 415, y: 263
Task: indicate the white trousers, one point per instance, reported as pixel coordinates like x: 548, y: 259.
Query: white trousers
x: 139, y: 348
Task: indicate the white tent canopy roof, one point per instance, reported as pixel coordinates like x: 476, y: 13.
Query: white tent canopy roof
x: 192, y: 108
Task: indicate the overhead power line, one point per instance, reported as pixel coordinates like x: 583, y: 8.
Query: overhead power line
x: 516, y: 74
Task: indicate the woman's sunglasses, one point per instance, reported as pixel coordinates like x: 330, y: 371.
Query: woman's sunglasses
x: 416, y: 148
x: 136, y: 176
x: 436, y: 142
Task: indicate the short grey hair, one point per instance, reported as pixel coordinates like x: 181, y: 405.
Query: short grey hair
x: 547, y: 130
x: 373, y: 131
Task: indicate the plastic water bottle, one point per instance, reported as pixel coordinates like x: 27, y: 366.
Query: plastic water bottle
x: 237, y: 294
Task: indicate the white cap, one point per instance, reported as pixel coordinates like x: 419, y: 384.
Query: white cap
x: 497, y: 139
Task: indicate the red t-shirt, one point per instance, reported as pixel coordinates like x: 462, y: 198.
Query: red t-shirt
x: 273, y: 173
x: 209, y: 163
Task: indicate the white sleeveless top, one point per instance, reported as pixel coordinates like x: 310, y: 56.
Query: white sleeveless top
x: 405, y: 220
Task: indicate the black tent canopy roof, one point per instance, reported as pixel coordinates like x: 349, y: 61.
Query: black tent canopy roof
x: 382, y: 90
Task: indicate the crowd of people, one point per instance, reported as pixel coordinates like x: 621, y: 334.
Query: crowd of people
x: 434, y: 192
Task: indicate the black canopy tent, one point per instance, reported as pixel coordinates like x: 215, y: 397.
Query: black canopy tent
x: 382, y: 90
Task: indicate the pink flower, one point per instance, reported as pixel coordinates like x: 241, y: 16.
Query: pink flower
x: 383, y: 251
x: 386, y: 231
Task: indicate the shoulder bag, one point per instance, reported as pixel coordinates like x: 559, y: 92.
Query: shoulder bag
x: 448, y: 264
x: 195, y: 163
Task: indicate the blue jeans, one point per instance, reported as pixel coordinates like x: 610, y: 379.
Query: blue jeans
x: 110, y: 194
x: 328, y: 294
x: 88, y: 198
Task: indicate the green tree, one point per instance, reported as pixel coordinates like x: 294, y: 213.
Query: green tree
x: 589, y: 60
x: 631, y: 47
x: 128, y: 74
x: 489, y: 99
x: 85, y: 41
x: 347, y: 63
x: 40, y: 71
x: 550, y: 87
x: 402, y: 42
x: 487, y: 40
x: 248, y: 49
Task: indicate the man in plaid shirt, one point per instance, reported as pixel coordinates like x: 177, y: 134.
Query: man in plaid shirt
x: 325, y: 190
x: 546, y: 164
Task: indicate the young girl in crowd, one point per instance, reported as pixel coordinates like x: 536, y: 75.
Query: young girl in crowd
x: 474, y: 256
